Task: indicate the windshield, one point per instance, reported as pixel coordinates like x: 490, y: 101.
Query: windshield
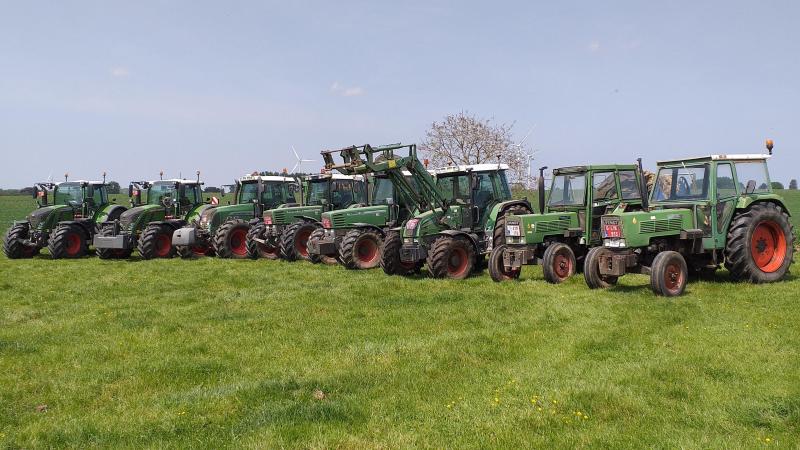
x: 248, y: 192
x: 160, y: 190
x: 454, y: 187
x: 382, y: 192
x: 274, y: 194
x: 681, y: 183
x: 68, y: 192
x: 568, y: 190
x: 99, y: 194
x: 317, y: 193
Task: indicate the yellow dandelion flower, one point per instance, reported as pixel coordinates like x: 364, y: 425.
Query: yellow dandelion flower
x: 539, y: 408
x: 767, y: 440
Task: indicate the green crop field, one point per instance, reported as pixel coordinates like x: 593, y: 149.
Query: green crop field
x: 221, y: 353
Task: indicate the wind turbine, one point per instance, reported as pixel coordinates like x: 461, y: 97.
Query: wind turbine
x: 529, y: 180
x: 300, y: 160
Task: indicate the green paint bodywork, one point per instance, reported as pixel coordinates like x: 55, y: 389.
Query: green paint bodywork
x: 377, y: 215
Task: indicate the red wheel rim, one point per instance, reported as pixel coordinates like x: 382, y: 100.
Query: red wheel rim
x: 239, y: 242
x: 163, y: 245
x: 673, y: 277
x: 366, y: 250
x: 562, y: 265
x: 73, y: 244
x: 768, y: 246
x: 457, y: 262
x: 300, y: 241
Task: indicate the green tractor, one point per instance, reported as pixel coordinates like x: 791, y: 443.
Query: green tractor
x: 569, y: 223
x: 472, y: 203
x: 285, y: 230
x: 224, y: 228
x: 149, y: 224
x: 67, y: 224
x: 354, y: 236
x: 703, y: 212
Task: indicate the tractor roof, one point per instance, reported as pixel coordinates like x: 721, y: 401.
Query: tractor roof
x: 594, y: 167
x: 721, y: 157
x: 177, y: 180
x: 333, y: 176
x: 472, y: 168
x: 80, y: 182
x: 266, y: 178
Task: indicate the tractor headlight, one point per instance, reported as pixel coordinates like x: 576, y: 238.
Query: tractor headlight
x: 614, y: 242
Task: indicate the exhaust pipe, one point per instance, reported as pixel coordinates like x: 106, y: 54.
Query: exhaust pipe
x: 643, y: 184
x: 540, y: 188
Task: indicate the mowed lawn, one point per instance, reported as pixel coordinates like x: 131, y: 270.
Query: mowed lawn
x: 219, y: 353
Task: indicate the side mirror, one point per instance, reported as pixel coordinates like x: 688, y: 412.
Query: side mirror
x: 130, y: 190
x: 114, y: 200
x: 229, y: 202
x: 751, y: 187
x: 35, y: 191
x: 476, y: 214
x: 474, y: 183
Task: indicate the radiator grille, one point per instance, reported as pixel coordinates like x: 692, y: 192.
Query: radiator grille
x: 551, y: 226
x: 660, y: 225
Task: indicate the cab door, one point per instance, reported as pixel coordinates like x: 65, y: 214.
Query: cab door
x: 725, y: 202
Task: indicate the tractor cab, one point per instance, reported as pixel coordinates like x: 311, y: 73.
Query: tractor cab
x: 268, y: 191
x: 333, y: 191
x: 177, y: 196
x: 472, y: 191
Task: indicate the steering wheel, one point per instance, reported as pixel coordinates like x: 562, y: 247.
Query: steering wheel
x: 167, y: 202
x: 683, y: 185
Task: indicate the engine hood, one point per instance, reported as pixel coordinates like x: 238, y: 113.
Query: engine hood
x: 374, y: 215
x: 39, y: 215
x: 128, y: 217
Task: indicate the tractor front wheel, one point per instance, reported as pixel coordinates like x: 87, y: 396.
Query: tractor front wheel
x: 230, y: 241
x: 361, y: 249
x: 156, y: 242
x: 668, y: 274
x: 558, y: 263
x: 591, y: 270
x: 13, y: 246
x: 497, y: 269
x: 294, y: 240
x: 451, y: 257
x: 256, y: 249
x: 760, y: 244
x: 67, y: 241
x: 318, y: 234
x: 390, y: 256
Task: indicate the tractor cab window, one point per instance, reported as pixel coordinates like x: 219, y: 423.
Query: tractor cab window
x: 191, y: 194
x: 383, y: 191
x: 273, y: 194
x: 343, y: 193
x: 726, y: 186
x: 752, y: 177
x: 629, y: 185
x: 502, y: 186
x: 68, y: 192
x: 568, y: 190
x: 454, y: 187
x: 317, y: 192
x: 248, y: 192
x: 98, y: 194
x: 159, y: 191
x: 604, y: 186
x: 485, y: 193
x: 681, y: 183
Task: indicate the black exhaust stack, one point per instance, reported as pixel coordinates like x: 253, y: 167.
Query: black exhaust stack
x: 540, y: 188
x: 643, y: 184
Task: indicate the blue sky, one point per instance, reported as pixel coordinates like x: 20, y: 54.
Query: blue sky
x: 228, y: 87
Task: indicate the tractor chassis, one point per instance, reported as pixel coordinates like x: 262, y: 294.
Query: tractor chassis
x: 328, y: 245
x: 515, y: 258
x: 617, y: 263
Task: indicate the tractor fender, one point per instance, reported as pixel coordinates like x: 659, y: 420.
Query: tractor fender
x: 308, y: 219
x: 746, y: 202
x: 510, y: 203
x: 87, y: 225
x: 112, y: 212
x: 457, y: 233
x: 175, y: 224
x: 370, y: 226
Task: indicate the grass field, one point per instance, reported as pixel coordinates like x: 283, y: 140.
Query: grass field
x: 219, y: 353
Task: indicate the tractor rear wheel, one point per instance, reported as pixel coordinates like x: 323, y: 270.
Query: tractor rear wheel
x: 668, y: 274
x: 256, y: 249
x: 67, y: 241
x: 156, y: 242
x: 361, y: 249
x: 451, y: 257
x: 760, y: 244
x: 318, y: 234
x: 499, y: 236
x: 390, y: 256
x: 558, y: 263
x: 294, y: 240
x: 497, y: 269
x: 230, y: 240
x: 591, y: 270
x: 111, y: 253
x: 13, y: 246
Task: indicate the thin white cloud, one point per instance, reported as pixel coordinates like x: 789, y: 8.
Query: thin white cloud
x: 594, y: 46
x: 119, y: 72
x: 349, y: 91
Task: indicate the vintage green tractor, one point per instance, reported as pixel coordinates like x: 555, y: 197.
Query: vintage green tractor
x: 354, y: 236
x: 467, y: 222
x: 67, y: 224
x: 224, y: 228
x: 285, y: 230
x: 568, y: 223
x: 718, y: 209
x: 148, y: 226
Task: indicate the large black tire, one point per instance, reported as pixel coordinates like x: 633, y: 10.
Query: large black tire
x: 111, y: 253
x: 451, y: 257
x: 497, y: 270
x: 13, y: 248
x: 361, y: 249
x: 156, y: 242
x: 294, y: 240
x: 668, y: 274
x: 760, y: 244
x: 256, y: 249
x: 591, y: 270
x: 67, y: 241
x: 187, y: 252
x: 318, y: 234
x: 390, y: 256
x: 558, y: 263
x: 499, y: 234
x: 230, y: 240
